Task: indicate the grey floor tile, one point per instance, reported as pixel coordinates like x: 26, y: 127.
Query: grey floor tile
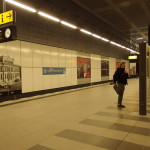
x: 144, y: 119
x: 130, y: 146
x: 146, y: 148
x: 120, y: 116
x: 124, y: 116
x: 117, y: 126
x: 142, y: 131
x: 108, y: 125
x: 90, y: 139
x: 39, y: 147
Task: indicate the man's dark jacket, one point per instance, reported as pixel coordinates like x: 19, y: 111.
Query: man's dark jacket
x: 120, y: 76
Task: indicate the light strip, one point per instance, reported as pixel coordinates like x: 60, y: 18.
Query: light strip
x: 48, y: 16
x: 97, y: 36
x: 21, y: 5
x: 68, y: 24
x: 132, y: 50
x: 104, y: 39
x: 85, y: 31
x: 114, y: 43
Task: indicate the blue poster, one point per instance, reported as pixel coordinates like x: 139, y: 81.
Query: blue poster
x: 53, y: 70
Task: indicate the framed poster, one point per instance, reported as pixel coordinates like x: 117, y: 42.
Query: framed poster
x: 10, y: 76
x: 83, y: 67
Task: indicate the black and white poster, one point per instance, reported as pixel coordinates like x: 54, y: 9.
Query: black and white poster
x: 10, y: 76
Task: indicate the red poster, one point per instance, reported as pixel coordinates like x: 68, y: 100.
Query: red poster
x: 84, y: 67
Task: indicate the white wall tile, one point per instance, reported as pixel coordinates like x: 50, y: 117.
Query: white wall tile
x: 112, y: 67
x: 74, y: 59
x: 46, y: 56
x: 47, y: 82
x: 93, y: 61
x: 27, y: 80
x: 74, y: 76
x: 55, y: 81
x: 98, y: 62
x: 26, y: 54
x: 3, y: 49
x: 62, y: 57
x: 96, y: 75
x: 93, y: 75
x: 68, y: 77
x: 68, y: 58
x: 62, y: 80
x: 96, y: 68
x: 13, y: 49
x: 37, y: 50
x: 37, y: 79
x: 54, y: 56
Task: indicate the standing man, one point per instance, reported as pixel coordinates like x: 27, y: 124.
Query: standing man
x: 120, y: 80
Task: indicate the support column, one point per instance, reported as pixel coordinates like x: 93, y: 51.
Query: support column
x: 142, y: 79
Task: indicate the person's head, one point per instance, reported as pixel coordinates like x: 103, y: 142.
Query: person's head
x: 122, y: 65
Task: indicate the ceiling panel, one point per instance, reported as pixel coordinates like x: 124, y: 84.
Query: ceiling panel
x: 129, y: 16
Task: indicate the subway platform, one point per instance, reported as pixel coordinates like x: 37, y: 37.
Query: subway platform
x: 78, y: 119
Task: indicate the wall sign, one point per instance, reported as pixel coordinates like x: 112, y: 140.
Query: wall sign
x: 53, y: 70
x: 6, y: 17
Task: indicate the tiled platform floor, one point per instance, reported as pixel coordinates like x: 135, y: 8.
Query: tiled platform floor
x: 84, y: 119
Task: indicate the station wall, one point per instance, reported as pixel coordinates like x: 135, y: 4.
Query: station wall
x: 33, y: 57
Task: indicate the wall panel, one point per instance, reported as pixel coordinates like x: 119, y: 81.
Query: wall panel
x: 27, y: 80
x: 37, y: 79
x: 26, y: 54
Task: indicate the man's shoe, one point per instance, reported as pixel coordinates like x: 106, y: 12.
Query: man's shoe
x: 121, y: 106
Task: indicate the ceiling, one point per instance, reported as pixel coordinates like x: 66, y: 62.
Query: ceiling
x: 131, y: 17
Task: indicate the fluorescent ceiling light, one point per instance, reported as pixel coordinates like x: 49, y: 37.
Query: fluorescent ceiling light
x: 85, y: 31
x: 97, y: 36
x: 68, y: 24
x: 132, y: 51
x: 21, y: 5
x: 114, y: 43
x: 104, y: 39
x: 48, y: 16
x: 139, y: 38
x: 136, y: 52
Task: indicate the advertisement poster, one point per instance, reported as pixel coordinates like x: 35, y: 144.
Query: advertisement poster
x: 83, y: 67
x: 10, y: 76
x: 132, y: 71
x: 104, y: 68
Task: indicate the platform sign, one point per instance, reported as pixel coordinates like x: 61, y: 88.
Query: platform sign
x: 53, y: 70
x: 132, y: 57
x: 6, y: 17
